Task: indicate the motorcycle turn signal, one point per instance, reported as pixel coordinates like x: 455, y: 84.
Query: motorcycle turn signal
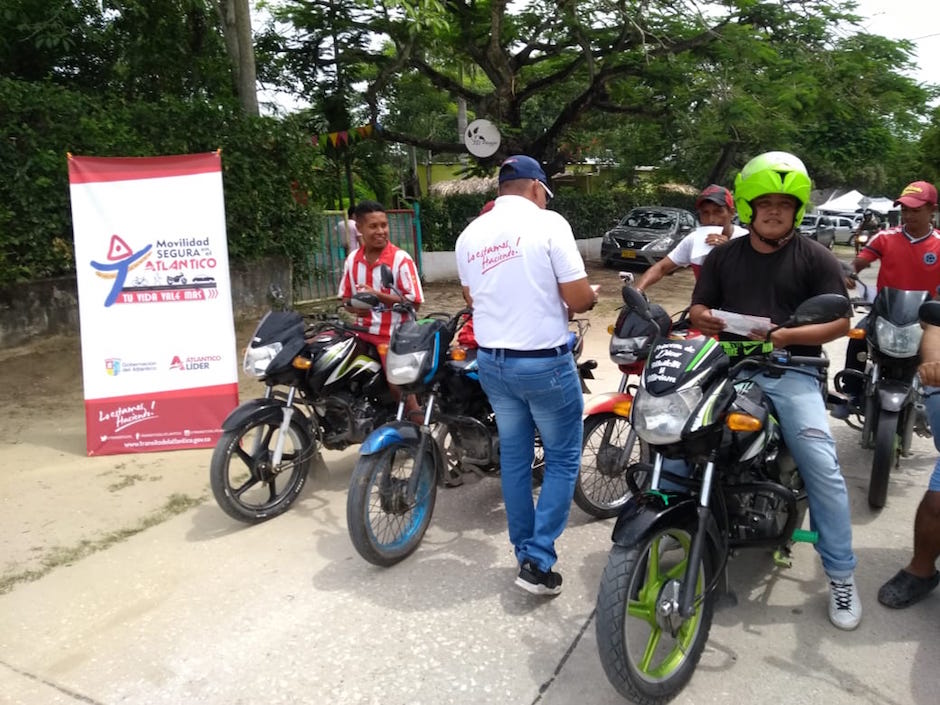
x: 743, y: 422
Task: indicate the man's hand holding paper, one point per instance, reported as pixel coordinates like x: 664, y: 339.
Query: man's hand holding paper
x: 742, y: 324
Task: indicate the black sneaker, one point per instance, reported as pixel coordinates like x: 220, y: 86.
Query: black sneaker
x: 538, y: 582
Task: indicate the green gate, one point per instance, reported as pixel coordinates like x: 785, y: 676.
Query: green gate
x: 326, y: 263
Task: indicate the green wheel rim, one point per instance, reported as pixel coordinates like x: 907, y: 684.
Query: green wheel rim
x: 643, y: 608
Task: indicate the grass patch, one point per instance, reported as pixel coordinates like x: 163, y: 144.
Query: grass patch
x: 125, y: 481
x: 66, y: 555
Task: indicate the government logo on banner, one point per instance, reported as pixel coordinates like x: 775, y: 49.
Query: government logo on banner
x: 154, y: 301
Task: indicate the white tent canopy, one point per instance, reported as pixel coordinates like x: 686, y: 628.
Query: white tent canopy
x: 880, y: 204
x: 855, y: 201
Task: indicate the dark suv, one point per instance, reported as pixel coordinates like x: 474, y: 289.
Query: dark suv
x: 818, y: 227
x: 646, y: 235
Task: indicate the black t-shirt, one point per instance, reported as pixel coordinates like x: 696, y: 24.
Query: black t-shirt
x: 735, y: 277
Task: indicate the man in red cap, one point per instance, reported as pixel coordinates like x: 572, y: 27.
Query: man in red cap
x: 910, y: 260
x: 715, y: 206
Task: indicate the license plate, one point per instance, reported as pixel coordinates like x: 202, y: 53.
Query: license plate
x: 628, y: 254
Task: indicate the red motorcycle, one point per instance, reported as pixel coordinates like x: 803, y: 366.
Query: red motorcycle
x: 610, y: 447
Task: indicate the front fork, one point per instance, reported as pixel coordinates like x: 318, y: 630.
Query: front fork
x: 697, y: 550
x: 423, y: 440
x: 287, y: 413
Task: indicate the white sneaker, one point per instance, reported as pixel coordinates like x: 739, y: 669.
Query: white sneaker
x: 845, y: 608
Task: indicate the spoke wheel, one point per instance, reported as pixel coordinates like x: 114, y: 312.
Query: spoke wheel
x: 386, y: 523
x: 609, y: 448
x: 538, y: 462
x: 647, y: 650
x: 245, y: 481
x: 887, y: 447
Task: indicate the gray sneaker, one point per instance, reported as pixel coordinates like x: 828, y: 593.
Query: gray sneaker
x: 845, y: 607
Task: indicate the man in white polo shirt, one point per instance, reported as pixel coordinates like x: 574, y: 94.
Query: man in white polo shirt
x: 522, y: 273
x: 715, y: 207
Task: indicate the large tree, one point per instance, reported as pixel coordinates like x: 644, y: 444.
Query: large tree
x: 578, y: 77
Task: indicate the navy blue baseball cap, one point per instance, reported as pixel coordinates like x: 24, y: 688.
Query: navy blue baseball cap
x: 522, y: 167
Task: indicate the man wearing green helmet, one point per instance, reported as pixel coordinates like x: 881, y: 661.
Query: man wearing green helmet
x: 768, y: 274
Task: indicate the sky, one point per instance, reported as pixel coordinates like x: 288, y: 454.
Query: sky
x: 915, y: 20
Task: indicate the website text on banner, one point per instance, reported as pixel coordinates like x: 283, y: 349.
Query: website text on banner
x: 155, y: 303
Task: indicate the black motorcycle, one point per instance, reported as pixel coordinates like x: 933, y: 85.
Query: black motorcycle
x: 394, y: 484
x: 671, y: 548
x: 324, y: 386
x: 890, y: 407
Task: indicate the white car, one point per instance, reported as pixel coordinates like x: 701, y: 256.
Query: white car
x: 845, y: 229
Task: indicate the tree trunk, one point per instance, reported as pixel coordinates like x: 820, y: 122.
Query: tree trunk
x: 247, y: 89
x: 236, y: 29
x: 723, y: 163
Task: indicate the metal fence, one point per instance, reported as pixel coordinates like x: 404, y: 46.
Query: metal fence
x: 326, y: 264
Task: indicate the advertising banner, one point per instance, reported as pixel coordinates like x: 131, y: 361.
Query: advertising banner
x: 159, y: 364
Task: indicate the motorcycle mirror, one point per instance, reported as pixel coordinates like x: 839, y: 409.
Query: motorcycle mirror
x: 636, y: 301
x: 364, y: 301
x: 385, y: 272
x: 823, y: 308
x: 929, y: 313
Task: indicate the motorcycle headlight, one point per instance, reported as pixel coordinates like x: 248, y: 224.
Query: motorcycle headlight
x: 256, y: 360
x: 897, y: 341
x: 406, y: 368
x: 660, y: 420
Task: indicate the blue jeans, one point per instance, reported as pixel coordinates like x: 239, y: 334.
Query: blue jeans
x: 805, y: 426
x: 932, y: 402
x: 527, y: 393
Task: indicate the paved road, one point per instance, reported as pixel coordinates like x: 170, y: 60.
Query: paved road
x: 200, y: 609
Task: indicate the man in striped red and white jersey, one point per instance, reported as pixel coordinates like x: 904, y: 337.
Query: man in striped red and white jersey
x: 362, y: 272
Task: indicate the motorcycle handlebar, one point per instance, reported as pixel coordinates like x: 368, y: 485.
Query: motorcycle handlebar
x: 782, y: 360
x: 810, y: 361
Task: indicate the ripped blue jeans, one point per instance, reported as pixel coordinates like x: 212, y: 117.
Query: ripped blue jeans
x: 804, y: 421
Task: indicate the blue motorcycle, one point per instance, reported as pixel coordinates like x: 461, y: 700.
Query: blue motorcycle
x: 401, y: 464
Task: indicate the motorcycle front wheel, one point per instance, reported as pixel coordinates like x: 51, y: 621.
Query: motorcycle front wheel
x: 648, y: 652
x: 246, y: 483
x: 609, y: 448
x: 885, y: 456
x: 385, y: 523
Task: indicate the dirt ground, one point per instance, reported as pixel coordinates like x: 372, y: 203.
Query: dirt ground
x: 59, y: 505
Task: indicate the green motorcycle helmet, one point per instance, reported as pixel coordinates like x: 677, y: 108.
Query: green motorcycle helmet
x: 772, y: 172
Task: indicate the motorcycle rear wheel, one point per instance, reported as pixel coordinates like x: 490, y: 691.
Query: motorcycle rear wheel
x: 887, y: 448
x: 384, y: 525
x: 643, y: 659
x: 610, y: 446
x: 245, y: 484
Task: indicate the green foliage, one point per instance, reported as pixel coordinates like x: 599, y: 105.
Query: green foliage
x: 443, y: 219
x: 136, y: 48
x: 270, y: 172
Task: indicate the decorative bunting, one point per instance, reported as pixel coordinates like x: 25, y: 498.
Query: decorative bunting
x: 344, y: 138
